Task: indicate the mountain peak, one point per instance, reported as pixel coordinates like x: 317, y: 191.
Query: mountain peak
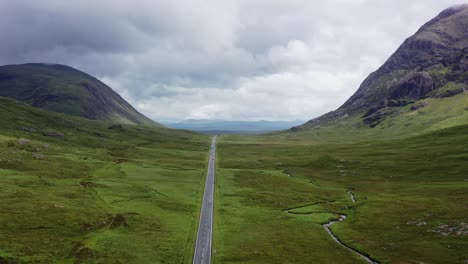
x: 61, y: 88
x: 445, y: 14
x: 436, y: 55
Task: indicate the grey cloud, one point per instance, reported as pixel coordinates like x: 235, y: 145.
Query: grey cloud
x: 233, y: 59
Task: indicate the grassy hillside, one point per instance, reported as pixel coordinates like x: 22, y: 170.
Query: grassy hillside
x: 81, y: 191
x: 427, y: 115
x: 274, y: 194
x: 62, y: 89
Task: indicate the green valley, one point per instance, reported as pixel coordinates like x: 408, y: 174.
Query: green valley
x: 81, y: 191
x: 274, y: 195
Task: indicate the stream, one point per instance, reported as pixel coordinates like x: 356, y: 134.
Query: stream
x: 352, y: 196
x: 341, y: 219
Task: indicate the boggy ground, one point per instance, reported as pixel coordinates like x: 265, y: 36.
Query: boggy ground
x: 78, y: 191
x: 273, y: 195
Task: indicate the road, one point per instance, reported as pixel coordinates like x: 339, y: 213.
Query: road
x: 202, y: 253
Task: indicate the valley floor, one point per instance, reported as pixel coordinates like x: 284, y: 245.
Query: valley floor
x: 274, y: 195
x: 78, y: 191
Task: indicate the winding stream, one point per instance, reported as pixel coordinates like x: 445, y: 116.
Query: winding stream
x: 352, y: 196
x: 341, y: 219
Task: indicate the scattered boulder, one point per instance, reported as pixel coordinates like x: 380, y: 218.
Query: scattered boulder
x: 38, y: 156
x: 23, y: 141
x: 387, y: 102
x: 28, y: 129
x: 418, y: 106
x: 451, y: 93
x: 370, y: 112
x: 398, y: 102
x: 55, y: 134
x: 377, y: 117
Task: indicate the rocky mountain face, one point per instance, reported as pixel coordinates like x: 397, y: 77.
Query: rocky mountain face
x: 431, y: 63
x: 60, y: 88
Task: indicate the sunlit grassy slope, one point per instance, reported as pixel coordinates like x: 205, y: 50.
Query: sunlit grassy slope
x: 275, y: 192
x: 80, y: 191
x: 424, y: 116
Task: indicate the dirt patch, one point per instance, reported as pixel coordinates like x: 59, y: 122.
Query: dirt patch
x: 7, y: 260
x: 116, y: 127
x: 95, y: 225
x: 112, y: 222
x: 117, y: 221
x: 82, y: 253
x: 88, y: 184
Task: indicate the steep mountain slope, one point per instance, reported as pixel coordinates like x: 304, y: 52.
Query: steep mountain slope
x: 60, y: 88
x: 428, y: 73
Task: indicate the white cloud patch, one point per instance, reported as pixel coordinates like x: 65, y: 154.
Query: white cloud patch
x: 279, y: 96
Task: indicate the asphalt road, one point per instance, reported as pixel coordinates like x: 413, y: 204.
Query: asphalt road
x: 202, y: 253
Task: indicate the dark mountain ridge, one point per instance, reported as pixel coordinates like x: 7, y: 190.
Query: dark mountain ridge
x: 63, y: 89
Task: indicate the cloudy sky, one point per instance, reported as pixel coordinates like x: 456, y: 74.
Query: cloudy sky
x: 216, y: 59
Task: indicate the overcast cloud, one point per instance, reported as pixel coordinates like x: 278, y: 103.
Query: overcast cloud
x: 223, y: 59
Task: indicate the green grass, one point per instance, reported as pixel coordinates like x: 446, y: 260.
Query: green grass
x: 438, y: 113
x: 274, y: 194
x: 81, y: 191
x: 100, y: 193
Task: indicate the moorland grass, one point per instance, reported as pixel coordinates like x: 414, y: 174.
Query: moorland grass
x: 80, y: 191
x: 273, y: 195
x: 96, y: 192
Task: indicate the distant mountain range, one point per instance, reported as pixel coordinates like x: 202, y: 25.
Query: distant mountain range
x: 63, y: 89
x: 232, y: 127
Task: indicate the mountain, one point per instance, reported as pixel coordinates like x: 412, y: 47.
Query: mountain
x: 422, y: 85
x: 63, y: 89
x: 244, y: 127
